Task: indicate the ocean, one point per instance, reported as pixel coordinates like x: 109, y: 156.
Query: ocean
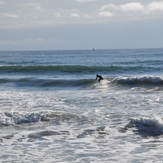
x: 53, y: 110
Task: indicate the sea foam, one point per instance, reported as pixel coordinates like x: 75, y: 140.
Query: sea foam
x: 11, y: 118
x: 20, y: 117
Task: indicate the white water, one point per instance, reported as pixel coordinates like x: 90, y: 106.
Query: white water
x: 95, y: 125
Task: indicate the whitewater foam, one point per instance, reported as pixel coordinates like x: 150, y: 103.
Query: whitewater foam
x: 21, y: 117
x: 10, y: 118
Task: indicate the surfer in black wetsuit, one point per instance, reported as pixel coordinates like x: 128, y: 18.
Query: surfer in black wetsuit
x: 99, y: 77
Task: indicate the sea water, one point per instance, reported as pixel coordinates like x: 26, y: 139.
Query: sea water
x: 53, y: 110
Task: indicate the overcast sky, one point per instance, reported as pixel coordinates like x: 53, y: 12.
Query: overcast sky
x: 80, y: 24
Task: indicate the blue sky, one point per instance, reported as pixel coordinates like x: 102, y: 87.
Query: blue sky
x: 80, y: 24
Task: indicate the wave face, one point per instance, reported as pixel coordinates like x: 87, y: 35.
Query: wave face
x: 41, y: 83
x: 144, y: 81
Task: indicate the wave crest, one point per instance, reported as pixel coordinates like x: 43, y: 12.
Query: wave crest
x: 144, y: 80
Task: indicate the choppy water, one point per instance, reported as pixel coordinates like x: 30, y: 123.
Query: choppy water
x: 53, y: 110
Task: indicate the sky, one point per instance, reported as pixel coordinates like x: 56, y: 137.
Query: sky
x: 80, y: 24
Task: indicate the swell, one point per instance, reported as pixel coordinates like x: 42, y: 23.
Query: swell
x: 71, y: 69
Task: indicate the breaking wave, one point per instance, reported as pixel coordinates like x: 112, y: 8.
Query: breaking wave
x: 20, y: 117
x: 143, y: 81
x: 139, y: 81
x: 147, y: 126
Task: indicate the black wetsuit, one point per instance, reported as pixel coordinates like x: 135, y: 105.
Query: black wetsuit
x: 100, y: 77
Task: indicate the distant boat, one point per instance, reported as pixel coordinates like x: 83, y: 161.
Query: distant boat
x: 93, y: 49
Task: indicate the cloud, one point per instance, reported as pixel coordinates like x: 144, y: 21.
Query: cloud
x: 9, y: 15
x: 29, y: 14
x: 132, y: 9
x: 74, y: 15
x: 133, y: 6
x: 109, y: 6
x: 105, y: 14
x: 155, y: 6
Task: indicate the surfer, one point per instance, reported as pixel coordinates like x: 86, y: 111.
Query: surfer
x: 99, y: 77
